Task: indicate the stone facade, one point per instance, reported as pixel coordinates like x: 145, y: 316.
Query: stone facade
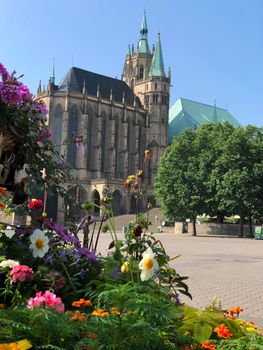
x: 115, y: 122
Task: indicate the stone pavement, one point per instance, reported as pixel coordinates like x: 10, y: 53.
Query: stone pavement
x: 230, y: 268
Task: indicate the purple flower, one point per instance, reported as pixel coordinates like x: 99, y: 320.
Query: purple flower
x: 45, y: 134
x: 40, y: 107
x: 87, y: 253
x: 4, y: 73
x: 10, y: 94
x: 62, y: 232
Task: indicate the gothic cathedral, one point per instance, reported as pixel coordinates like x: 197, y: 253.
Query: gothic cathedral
x: 102, y: 126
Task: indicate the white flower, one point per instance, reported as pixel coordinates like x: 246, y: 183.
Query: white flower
x: 39, y: 243
x: 148, y: 265
x: 9, y: 263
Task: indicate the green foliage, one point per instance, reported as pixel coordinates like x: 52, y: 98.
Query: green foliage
x: 217, y: 169
x: 45, y: 328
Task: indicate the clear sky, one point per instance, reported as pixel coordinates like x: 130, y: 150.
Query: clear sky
x: 214, y: 47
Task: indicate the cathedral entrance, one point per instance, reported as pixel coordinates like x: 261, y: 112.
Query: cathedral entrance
x: 96, y: 200
x: 116, y: 203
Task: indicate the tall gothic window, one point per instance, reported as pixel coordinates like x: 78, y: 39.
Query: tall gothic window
x: 141, y: 72
x: 72, y: 132
x: 57, y: 128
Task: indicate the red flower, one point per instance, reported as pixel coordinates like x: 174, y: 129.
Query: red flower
x: 35, y: 204
x: 222, y: 331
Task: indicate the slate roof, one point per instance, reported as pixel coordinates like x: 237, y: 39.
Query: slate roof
x: 185, y: 114
x: 74, y: 80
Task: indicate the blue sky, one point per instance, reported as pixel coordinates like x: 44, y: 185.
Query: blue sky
x: 214, y: 47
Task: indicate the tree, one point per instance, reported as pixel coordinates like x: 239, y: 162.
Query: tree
x: 241, y: 189
x: 178, y: 184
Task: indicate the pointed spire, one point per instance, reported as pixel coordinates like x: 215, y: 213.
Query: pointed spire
x: 215, y: 113
x: 129, y: 51
x: 39, y: 90
x: 143, y: 46
x: 144, y: 29
x: 52, y: 78
x: 132, y: 49
x: 157, y: 66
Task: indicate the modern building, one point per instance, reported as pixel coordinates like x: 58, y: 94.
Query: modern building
x: 187, y: 114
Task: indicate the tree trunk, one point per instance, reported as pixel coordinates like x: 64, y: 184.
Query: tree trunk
x: 194, y: 226
x: 220, y: 218
x: 241, y: 226
x: 250, y: 226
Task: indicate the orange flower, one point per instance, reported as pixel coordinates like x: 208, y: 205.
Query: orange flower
x: 117, y: 312
x: 2, y: 205
x: 235, y: 310
x: 77, y: 316
x: 82, y: 303
x: 3, y: 191
x: 100, y: 313
x: 208, y: 345
x: 2, y: 306
x: 222, y: 331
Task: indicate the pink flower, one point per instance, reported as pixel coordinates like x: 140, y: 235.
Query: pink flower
x: 48, y: 299
x: 21, y: 273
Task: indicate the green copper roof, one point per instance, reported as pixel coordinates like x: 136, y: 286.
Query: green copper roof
x: 143, y: 46
x: 144, y: 29
x: 129, y: 50
x: 185, y: 114
x: 157, y: 66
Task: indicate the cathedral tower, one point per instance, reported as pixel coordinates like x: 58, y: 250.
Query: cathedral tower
x: 145, y: 74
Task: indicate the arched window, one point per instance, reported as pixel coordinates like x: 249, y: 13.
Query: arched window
x: 72, y: 132
x: 141, y: 72
x: 57, y: 128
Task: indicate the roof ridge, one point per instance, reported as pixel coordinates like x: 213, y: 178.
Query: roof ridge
x: 205, y: 104
x: 101, y: 75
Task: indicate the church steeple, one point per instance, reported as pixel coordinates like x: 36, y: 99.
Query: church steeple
x: 157, y: 66
x: 143, y: 46
x: 144, y: 29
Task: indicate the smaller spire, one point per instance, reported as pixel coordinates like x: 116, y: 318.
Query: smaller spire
x: 129, y: 51
x: 169, y: 73
x: 132, y: 49
x: 215, y: 113
x: 52, y: 78
x: 39, y: 90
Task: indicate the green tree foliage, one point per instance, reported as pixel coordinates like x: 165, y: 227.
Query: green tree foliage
x: 217, y: 170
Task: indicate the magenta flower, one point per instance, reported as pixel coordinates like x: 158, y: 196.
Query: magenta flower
x: 48, y: 299
x: 21, y: 273
x: 4, y: 73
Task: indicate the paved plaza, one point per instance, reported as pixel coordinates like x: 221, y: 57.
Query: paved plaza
x: 230, y: 268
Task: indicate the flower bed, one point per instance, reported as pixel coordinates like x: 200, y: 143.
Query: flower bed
x: 58, y: 293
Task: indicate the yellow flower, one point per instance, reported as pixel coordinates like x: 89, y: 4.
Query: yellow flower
x: 125, y: 267
x: 20, y: 345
